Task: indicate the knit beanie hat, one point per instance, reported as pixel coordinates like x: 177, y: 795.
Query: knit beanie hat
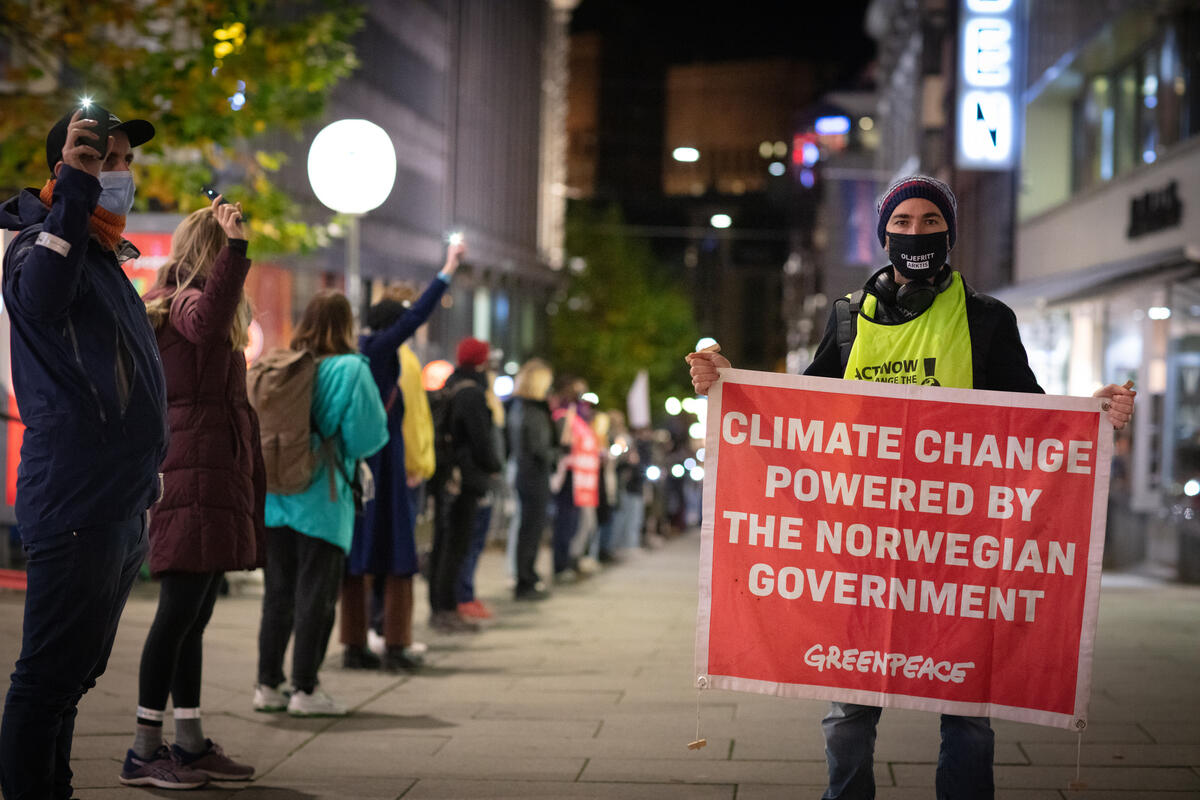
x: 931, y: 189
x: 471, y: 352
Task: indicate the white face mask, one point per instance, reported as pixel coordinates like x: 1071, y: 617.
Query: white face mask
x: 116, y: 192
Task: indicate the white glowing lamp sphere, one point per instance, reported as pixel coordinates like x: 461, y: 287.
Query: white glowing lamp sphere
x: 352, y: 166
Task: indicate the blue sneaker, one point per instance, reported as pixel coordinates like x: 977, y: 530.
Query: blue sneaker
x: 161, y: 770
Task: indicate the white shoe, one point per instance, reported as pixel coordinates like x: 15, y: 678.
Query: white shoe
x: 588, y: 566
x: 375, y: 643
x: 416, y: 649
x: 270, y: 698
x: 315, y: 704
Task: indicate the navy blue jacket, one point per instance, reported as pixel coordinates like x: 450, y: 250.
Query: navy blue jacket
x: 85, y: 368
x: 384, y: 540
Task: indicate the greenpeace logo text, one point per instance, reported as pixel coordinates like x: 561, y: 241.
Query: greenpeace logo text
x: 893, y: 664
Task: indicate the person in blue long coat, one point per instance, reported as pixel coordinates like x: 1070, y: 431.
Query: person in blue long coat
x: 384, y: 545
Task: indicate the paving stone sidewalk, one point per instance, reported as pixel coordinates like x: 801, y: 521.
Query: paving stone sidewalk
x: 589, y: 695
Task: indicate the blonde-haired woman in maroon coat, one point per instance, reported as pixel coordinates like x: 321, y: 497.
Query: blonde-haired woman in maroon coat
x: 210, y: 518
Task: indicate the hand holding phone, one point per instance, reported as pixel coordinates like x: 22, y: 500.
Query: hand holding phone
x: 212, y: 194
x: 87, y: 139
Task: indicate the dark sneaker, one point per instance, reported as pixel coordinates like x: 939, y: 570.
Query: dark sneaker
x: 358, y: 657
x: 401, y: 659
x: 533, y: 594
x: 161, y: 770
x: 213, y: 762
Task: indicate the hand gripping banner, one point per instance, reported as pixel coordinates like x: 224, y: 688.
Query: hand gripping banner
x: 902, y: 546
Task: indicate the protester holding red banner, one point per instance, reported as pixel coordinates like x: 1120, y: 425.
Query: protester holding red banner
x: 916, y: 321
x: 576, y: 484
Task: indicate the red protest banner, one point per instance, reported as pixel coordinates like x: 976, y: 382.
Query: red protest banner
x: 904, y: 546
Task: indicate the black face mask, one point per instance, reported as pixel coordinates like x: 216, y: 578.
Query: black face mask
x: 918, y: 256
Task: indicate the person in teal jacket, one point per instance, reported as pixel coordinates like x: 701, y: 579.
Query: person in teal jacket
x: 308, y: 534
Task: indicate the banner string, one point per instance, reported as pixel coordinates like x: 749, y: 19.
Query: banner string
x: 699, y: 741
x: 1077, y: 783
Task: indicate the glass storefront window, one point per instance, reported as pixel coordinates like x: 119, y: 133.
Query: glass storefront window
x: 1128, y: 98
x: 1181, y: 469
x: 1148, y: 130
x: 1130, y: 112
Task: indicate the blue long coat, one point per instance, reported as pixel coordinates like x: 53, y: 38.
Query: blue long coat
x: 384, y: 541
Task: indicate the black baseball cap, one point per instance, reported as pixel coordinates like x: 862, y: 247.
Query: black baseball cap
x: 139, y: 132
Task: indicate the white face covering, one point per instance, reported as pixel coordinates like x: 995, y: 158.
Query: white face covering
x: 116, y: 192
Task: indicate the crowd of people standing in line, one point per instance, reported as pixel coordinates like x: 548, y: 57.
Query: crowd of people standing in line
x: 147, y: 439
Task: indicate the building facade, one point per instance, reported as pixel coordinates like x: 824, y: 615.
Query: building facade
x: 1106, y: 280
x: 1084, y: 221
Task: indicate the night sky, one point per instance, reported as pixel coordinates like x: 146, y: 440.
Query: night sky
x: 684, y: 31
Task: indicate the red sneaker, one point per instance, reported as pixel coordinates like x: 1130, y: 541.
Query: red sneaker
x: 475, y: 610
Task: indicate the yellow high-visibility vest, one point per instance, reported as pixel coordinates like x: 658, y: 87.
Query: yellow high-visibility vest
x: 933, y: 349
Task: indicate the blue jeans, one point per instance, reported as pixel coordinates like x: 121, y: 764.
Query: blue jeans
x: 78, y: 583
x: 466, y: 573
x: 964, y: 770
x: 627, y: 520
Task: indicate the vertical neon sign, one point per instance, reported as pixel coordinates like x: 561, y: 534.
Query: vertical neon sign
x: 987, y: 87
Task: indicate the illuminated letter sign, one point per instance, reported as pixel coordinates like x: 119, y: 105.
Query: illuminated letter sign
x: 987, y: 99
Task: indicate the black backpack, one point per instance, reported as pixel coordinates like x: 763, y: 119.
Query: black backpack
x: 441, y: 408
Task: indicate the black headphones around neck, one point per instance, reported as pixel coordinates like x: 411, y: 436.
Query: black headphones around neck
x: 915, y: 296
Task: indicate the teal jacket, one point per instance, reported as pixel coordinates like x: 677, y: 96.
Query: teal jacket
x: 347, y: 408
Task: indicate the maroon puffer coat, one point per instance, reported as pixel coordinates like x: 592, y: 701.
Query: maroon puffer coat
x: 210, y: 518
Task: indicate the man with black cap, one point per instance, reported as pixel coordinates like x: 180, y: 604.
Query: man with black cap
x: 90, y: 390
x: 918, y: 311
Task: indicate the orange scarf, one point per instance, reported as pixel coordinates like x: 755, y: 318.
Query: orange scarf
x: 106, y: 226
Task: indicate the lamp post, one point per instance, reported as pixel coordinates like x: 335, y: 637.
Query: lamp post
x: 351, y: 167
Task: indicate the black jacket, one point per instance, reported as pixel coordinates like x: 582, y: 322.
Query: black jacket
x: 998, y: 358
x: 471, y: 431
x: 533, y: 441
x: 85, y: 367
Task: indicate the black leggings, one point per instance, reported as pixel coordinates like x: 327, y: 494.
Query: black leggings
x: 174, y: 650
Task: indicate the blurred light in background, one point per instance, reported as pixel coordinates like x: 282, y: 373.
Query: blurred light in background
x: 1159, y: 312
x: 697, y: 473
x: 673, y: 406
x: 686, y: 154
x: 776, y: 168
x: 866, y: 123
x: 1192, y: 488
x: 696, y: 430
x: 435, y: 373
x: 653, y: 473
x: 677, y: 471
x: 502, y: 387
x: 766, y: 150
x: 705, y: 342
x: 721, y: 220
x: 806, y: 178
x: 810, y: 154
x: 832, y: 126
x: 512, y: 367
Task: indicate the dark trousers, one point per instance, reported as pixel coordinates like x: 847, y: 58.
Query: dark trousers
x: 454, y: 521
x: 464, y: 589
x: 300, y: 590
x: 964, y: 768
x: 174, y: 651
x: 534, y: 500
x: 78, y: 582
x: 566, y: 525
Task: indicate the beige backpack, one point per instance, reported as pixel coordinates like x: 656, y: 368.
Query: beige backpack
x: 280, y: 386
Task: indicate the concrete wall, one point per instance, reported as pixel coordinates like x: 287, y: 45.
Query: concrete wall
x: 1091, y: 229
